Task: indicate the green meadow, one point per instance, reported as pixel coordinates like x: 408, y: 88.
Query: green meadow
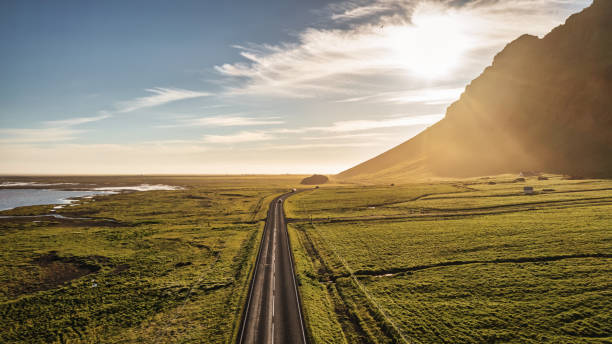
x: 463, y: 261
x: 475, y: 261
x: 136, y: 267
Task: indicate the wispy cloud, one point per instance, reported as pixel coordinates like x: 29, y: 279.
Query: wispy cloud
x: 241, y: 137
x: 390, y: 44
x: 335, y: 127
x: 320, y: 145
x: 225, y: 121
x: 359, y: 125
x: 170, y: 158
x: 360, y: 12
x: 375, y: 136
x: 426, y: 96
x: 160, y: 96
x: 429, y: 96
x: 61, y: 130
x: 76, y: 121
x: 45, y: 135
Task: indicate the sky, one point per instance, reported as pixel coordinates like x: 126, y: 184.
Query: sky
x: 239, y: 87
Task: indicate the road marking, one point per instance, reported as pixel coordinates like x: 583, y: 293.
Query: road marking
x: 276, y: 216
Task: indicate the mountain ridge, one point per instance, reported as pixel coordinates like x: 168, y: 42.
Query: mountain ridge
x: 542, y: 105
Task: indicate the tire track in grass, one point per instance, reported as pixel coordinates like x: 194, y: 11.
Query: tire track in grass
x: 577, y: 201
x: 385, y: 204
x: 341, y: 308
x: 400, y: 270
x: 517, y: 194
x: 455, y: 213
x: 364, y: 291
x: 257, y: 208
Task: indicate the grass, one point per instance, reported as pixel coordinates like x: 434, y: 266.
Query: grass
x: 467, y: 262
x: 359, y: 200
x: 170, y: 266
x: 323, y: 325
x: 567, y: 301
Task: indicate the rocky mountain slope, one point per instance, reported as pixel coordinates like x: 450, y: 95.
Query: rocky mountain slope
x: 543, y: 105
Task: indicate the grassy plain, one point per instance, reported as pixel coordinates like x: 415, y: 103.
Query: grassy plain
x: 138, y: 267
x: 471, y: 261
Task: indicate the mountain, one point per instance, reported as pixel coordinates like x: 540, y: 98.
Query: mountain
x: 543, y: 105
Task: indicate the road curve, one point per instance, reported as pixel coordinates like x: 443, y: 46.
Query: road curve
x: 273, y: 313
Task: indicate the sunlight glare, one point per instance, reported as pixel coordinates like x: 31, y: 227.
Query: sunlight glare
x: 432, y: 46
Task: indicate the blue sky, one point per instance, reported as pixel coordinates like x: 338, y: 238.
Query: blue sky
x: 238, y: 86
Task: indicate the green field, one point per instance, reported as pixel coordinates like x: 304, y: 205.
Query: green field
x: 142, y: 267
x: 471, y: 261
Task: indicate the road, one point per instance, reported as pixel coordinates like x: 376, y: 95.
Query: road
x: 273, y: 313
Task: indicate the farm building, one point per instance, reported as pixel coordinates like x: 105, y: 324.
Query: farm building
x: 528, y: 190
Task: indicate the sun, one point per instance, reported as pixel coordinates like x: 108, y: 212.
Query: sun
x: 432, y: 46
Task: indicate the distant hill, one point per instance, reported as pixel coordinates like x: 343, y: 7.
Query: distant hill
x: 315, y: 179
x: 543, y: 105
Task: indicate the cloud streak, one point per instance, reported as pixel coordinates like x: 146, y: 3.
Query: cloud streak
x: 44, y: 135
x: 60, y: 130
x: 76, y: 121
x: 430, y: 96
x: 361, y: 125
x: 375, y: 136
x: 339, y: 127
x: 389, y: 44
x: 241, y: 137
x: 160, y: 96
x: 320, y: 145
x: 225, y: 121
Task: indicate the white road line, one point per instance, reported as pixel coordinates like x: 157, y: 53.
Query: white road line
x: 277, y: 220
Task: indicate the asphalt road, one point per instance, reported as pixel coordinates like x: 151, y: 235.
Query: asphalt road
x: 273, y: 313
